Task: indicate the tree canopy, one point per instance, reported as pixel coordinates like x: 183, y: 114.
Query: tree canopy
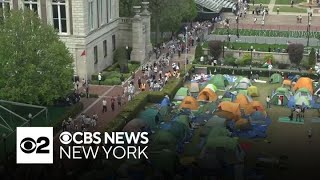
x: 215, y: 47
x: 295, y: 52
x: 35, y: 66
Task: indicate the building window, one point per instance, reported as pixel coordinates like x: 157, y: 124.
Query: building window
x: 98, y: 13
x: 113, y: 42
x: 105, y: 48
x: 110, y: 9
x: 90, y: 15
x: 103, y: 11
x: 59, y: 15
x: 95, y: 54
x: 107, y: 10
x: 4, y: 7
x: 32, y: 5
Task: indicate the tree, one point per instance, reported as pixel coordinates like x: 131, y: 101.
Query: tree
x: 35, y: 66
x: 126, y: 7
x: 312, y: 57
x: 295, y: 52
x: 198, y: 52
x: 215, y: 48
x: 121, y: 57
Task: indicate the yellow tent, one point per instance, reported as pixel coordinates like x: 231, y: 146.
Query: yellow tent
x: 286, y: 82
x: 253, y: 91
x: 207, y: 95
x: 189, y: 102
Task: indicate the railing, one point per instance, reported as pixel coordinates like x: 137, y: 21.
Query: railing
x: 125, y: 20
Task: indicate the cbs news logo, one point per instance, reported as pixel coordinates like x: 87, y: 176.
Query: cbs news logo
x: 34, y: 145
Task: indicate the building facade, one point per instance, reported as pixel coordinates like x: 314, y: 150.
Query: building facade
x: 91, y: 29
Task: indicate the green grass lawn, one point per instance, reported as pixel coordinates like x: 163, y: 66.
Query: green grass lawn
x: 288, y: 2
x: 257, y: 2
x: 267, y: 33
x: 289, y: 9
x: 251, y: 8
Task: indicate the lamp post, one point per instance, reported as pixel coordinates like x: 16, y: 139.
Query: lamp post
x: 223, y: 49
x: 4, y: 141
x: 237, y: 20
x: 251, y: 49
x: 128, y: 57
x: 186, y: 54
x: 308, y: 29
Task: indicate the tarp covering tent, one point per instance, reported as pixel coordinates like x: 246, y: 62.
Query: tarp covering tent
x: 275, y: 78
x: 151, y: 117
x: 189, y: 103
x: 207, y: 95
x: 218, y: 132
x: 239, y: 79
x: 165, y: 112
x: 253, y: 91
x: 231, y: 107
x: 304, y: 82
x: 257, y: 116
x: 242, y: 85
x: 194, y: 88
x: 226, y: 142
x: 179, y: 130
x: 183, y: 119
x: 165, y: 102
x: 135, y: 125
x: 219, y: 81
x: 181, y: 94
x: 230, y: 95
x: 280, y: 93
x: 257, y: 105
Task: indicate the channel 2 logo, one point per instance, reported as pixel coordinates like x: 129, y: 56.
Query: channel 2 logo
x: 34, y: 145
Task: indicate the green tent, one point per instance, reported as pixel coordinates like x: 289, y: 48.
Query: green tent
x: 219, y: 81
x: 303, y: 100
x: 238, y: 79
x: 207, y: 107
x: 280, y: 92
x: 151, y: 117
x: 215, y: 121
x: 165, y: 161
x: 165, y: 112
x: 226, y: 142
x: 212, y: 87
x: 218, y: 132
x: 183, y: 119
x: 244, y: 92
x: 304, y: 91
x: 275, y: 78
x: 181, y: 94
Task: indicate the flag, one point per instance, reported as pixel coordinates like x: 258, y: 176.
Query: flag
x: 83, y: 53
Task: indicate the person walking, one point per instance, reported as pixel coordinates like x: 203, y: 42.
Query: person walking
x: 139, y: 83
x: 255, y: 20
x: 87, y: 91
x: 143, y: 86
x: 104, y: 105
x: 112, y: 103
x: 278, y: 10
x: 303, y: 108
x: 119, y: 100
x: 298, y: 114
x: 268, y: 102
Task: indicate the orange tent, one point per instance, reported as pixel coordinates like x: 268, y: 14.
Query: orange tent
x: 189, y: 102
x: 234, y: 108
x: 304, y: 82
x: 207, y: 95
x: 257, y: 105
x: 286, y: 82
x: 242, y: 100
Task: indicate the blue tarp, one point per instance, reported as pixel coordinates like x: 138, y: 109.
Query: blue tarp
x: 165, y: 102
x: 291, y: 102
x: 229, y: 95
x: 256, y: 130
x: 231, y: 79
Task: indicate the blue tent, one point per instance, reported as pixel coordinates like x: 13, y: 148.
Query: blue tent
x: 165, y: 102
x: 229, y: 95
x: 257, y: 116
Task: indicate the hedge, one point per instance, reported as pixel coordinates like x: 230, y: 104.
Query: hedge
x: 138, y: 103
x: 72, y: 112
x: 262, y: 73
x: 84, y: 95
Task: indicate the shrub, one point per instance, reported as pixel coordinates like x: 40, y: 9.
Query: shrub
x: 246, y: 59
x: 229, y: 59
x: 312, y: 58
x: 295, y: 52
x: 72, y: 112
x: 83, y: 95
x: 112, y: 81
x: 268, y: 57
x: 215, y: 48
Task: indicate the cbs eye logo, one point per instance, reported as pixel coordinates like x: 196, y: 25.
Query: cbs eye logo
x: 65, y: 138
x: 29, y: 145
x: 34, y: 145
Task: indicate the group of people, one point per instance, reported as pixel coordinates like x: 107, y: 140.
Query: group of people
x: 119, y: 99
x: 85, y: 122
x: 299, y: 110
